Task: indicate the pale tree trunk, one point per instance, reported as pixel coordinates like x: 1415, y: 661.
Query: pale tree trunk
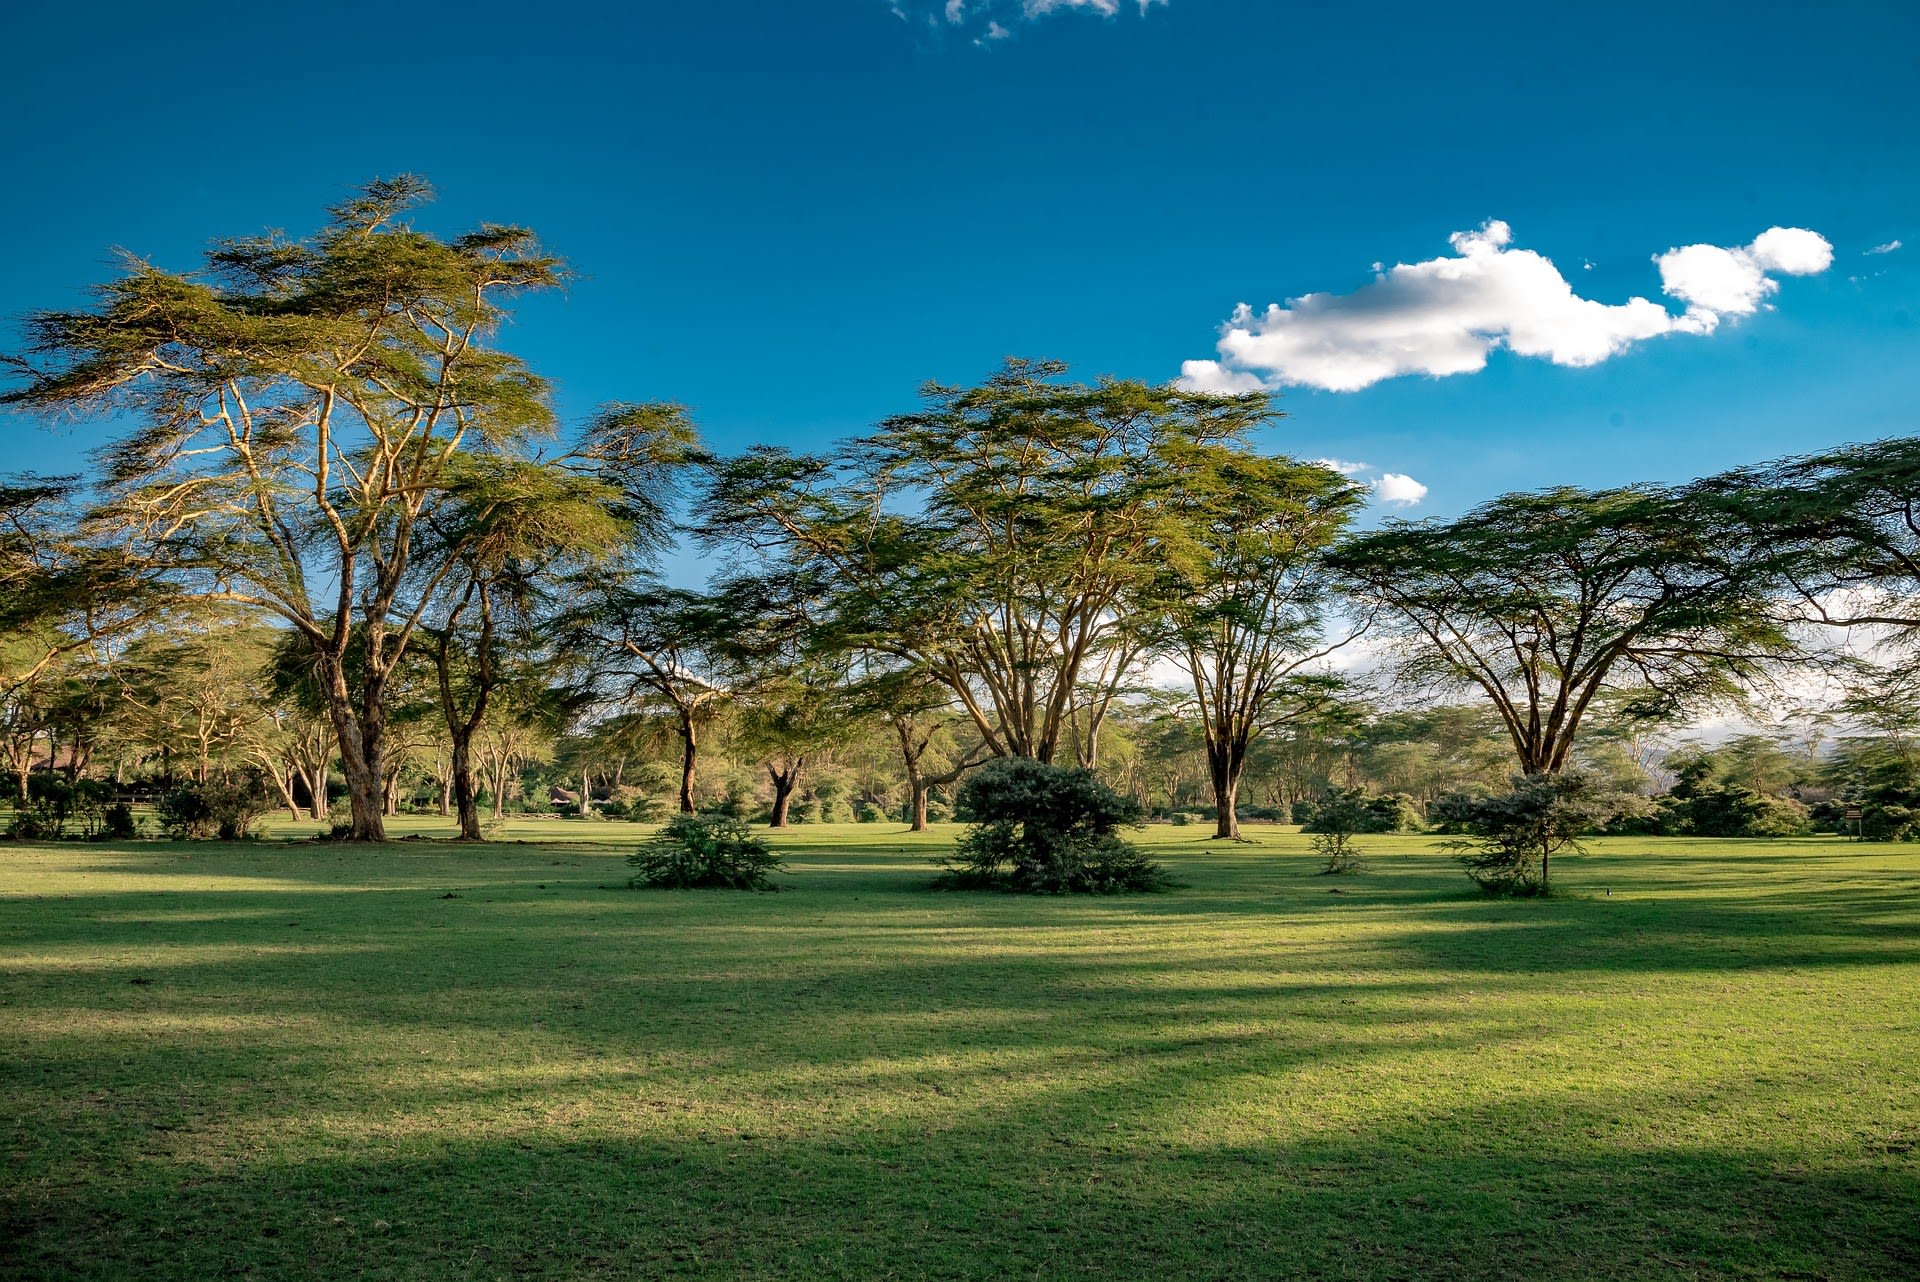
x: 283, y: 780
x: 1226, y: 818
x: 317, y: 798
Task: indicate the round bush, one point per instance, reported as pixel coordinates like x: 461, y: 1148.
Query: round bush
x: 1045, y: 829
x: 704, y: 851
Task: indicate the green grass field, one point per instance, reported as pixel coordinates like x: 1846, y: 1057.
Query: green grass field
x: 277, y: 1060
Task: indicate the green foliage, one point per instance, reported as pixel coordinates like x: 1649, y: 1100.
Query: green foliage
x: 185, y: 815
x: 1356, y: 810
x: 117, y: 822
x: 1734, y: 811
x: 1544, y: 601
x: 1335, y: 821
x: 704, y: 851
x: 1046, y: 829
x: 225, y: 807
x: 1338, y: 853
x: 1734, y: 791
x: 1515, y: 834
x: 1880, y: 778
x: 1007, y: 537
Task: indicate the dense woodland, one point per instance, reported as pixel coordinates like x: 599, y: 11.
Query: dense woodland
x: 339, y: 559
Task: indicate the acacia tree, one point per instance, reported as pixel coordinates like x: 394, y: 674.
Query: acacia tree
x: 1004, y: 540
x: 669, y: 647
x: 1841, y: 529
x: 300, y: 408
x: 919, y: 712
x: 518, y: 527
x: 1250, y: 595
x: 1546, y: 600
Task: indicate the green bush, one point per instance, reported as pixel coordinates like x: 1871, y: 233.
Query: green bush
x: 1516, y: 834
x: 117, y: 822
x: 1364, y: 812
x: 704, y: 851
x: 184, y: 813
x: 1335, y: 822
x: 226, y: 806
x: 34, y: 821
x: 1733, y: 810
x: 53, y: 800
x: 1045, y: 829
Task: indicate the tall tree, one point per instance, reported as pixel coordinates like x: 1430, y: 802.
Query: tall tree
x: 1546, y: 600
x: 300, y: 408
x: 1249, y: 604
x: 520, y: 528
x: 670, y: 648
x: 1004, y: 539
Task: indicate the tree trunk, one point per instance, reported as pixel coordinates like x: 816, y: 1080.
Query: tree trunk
x: 690, y: 749
x: 284, y: 780
x: 465, y: 795
x: 783, y: 785
x: 1224, y: 764
x: 317, y: 798
x: 919, y: 823
x: 358, y: 732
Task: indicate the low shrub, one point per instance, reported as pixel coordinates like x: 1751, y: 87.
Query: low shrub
x: 117, y: 823
x: 704, y: 851
x: 1046, y: 829
x: 184, y: 813
x: 1336, y: 821
x: 1514, y: 835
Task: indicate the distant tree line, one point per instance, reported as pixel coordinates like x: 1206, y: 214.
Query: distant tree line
x: 339, y: 547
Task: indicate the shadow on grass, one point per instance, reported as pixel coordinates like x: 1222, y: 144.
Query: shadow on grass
x: 979, y: 1198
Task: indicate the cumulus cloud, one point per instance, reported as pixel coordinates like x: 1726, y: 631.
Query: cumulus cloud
x: 1398, y: 489
x: 1716, y: 282
x: 1887, y: 248
x: 988, y: 20
x: 1444, y: 315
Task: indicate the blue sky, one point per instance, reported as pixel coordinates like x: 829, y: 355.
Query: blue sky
x: 789, y: 215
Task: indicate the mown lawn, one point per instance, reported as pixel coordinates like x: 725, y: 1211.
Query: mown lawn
x: 429, y: 1062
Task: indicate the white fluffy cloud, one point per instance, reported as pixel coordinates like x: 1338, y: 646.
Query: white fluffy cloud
x: 1398, y: 489
x: 1716, y: 282
x: 1341, y: 466
x: 1443, y: 316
